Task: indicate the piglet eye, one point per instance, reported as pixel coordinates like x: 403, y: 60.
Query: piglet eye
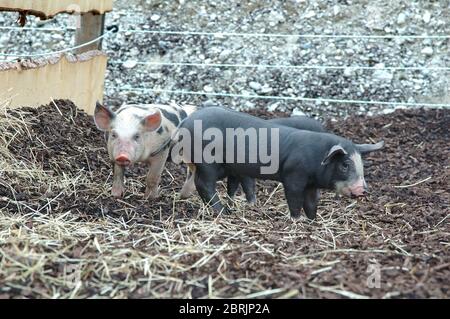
x: 114, y: 135
x: 344, y: 166
x: 137, y: 137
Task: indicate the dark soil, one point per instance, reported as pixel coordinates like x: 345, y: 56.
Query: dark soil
x: 411, y: 222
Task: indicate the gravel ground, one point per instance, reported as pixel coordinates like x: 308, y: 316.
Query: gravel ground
x: 286, y: 17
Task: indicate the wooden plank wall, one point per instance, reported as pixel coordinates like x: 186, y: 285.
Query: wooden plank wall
x: 46, y: 9
x: 36, y: 82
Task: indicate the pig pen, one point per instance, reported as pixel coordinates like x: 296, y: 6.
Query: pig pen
x: 62, y: 234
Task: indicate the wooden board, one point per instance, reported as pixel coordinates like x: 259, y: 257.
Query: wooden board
x: 36, y: 82
x: 46, y: 9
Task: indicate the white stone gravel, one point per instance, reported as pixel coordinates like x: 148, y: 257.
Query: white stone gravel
x: 363, y: 17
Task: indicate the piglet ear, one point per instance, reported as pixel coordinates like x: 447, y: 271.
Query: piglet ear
x: 152, y: 122
x: 366, y: 148
x: 334, y: 151
x: 103, y: 117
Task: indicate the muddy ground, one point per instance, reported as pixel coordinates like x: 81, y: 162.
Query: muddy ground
x: 63, y: 235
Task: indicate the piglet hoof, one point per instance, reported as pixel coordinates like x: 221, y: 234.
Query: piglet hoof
x: 151, y: 193
x: 184, y: 194
x: 295, y: 215
x: 251, y: 201
x: 311, y: 214
x: 117, y: 191
x: 219, y: 209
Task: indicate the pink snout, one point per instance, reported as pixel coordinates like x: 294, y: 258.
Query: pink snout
x: 358, y: 189
x: 122, y: 160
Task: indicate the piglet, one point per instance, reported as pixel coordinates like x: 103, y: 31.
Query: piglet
x: 214, y: 141
x: 139, y: 133
x: 299, y: 122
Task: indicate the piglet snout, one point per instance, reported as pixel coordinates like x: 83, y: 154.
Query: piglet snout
x: 123, y: 160
x: 358, y: 191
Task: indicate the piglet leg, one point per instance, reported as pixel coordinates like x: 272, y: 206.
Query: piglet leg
x: 118, y: 187
x: 206, y: 187
x: 157, y: 164
x: 232, y: 186
x: 249, y: 188
x: 189, y: 184
x: 310, y: 202
x: 293, y: 190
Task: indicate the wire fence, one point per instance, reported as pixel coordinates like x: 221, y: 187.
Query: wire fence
x: 281, y: 35
x: 286, y: 98
x: 240, y: 34
x: 70, y: 49
x: 236, y: 65
x: 281, y: 66
x: 15, y: 56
